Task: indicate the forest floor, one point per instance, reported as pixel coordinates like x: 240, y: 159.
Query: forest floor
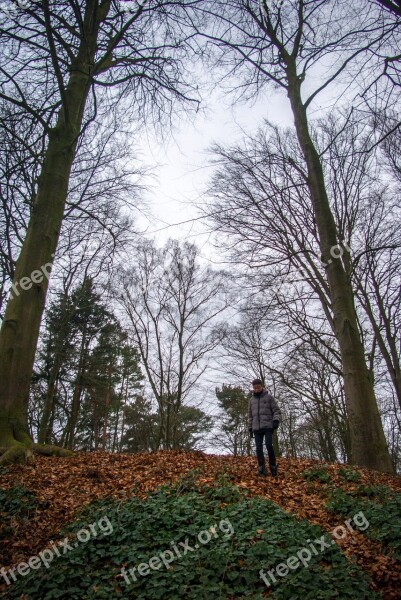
x: 63, y: 486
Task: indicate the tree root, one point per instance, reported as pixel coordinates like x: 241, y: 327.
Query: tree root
x: 50, y: 450
x: 16, y: 445
x: 19, y: 454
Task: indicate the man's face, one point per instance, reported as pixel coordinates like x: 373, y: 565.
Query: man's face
x: 257, y: 388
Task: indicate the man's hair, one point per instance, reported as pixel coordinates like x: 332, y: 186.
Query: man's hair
x: 257, y: 382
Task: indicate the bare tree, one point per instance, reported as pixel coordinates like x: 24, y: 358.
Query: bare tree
x: 261, y: 204
x: 66, y: 64
x: 302, y: 371
x: 282, y: 45
x: 377, y: 276
x: 172, y: 303
x: 21, y: 150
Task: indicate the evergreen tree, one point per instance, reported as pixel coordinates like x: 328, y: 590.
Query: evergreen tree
x: 233, y: 402
x: 87, y: 372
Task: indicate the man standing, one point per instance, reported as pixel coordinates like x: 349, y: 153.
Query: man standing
x: 264, y: 418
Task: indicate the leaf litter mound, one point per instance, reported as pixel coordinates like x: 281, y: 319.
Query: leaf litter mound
x: 61, y: 487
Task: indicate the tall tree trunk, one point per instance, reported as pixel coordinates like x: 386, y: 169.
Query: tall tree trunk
x: 120, y: 446
x: 162, y: 432
x: 368, y: 443
x: 75, y: 405
x: 276, y: 444
x: 20, y: 328
x: 120, y: 397
x: 77, y: 394
x: 48, y: 408
x: 106, y: 412
x: 168, y: 427
x: 293, y: 435
x: 49, y: 433
x: 175, y: 423
x: 96, y: 422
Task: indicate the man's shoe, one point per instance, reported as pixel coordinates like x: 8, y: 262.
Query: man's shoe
x: 273, y: 470
x: 262, y: 470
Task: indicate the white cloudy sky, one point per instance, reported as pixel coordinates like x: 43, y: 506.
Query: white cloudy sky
x: 183, y: 170
x: 180, y: 162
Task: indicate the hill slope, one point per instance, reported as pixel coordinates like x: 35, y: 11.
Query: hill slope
x: 265, y: 527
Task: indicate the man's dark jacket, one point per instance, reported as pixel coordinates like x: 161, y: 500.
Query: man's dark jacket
x: 262, y: 411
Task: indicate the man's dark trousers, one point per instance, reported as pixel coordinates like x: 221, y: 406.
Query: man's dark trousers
x: 268, y: 435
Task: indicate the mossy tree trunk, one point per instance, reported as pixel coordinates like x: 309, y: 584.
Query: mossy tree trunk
x: 368, y: 443
x: 20, y: 328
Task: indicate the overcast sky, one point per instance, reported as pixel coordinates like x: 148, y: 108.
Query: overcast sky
x: 183, y: 170
x: 180, y: 162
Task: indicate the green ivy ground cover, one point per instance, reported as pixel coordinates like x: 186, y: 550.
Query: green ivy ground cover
x: 382, y: 509
x: 247, y: 535
x: 16, y: 503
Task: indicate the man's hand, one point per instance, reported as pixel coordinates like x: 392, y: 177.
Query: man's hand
x: 276, y: 423
x: 251, y: 432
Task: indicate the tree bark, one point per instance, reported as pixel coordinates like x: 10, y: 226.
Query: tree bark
x: 368, y: 444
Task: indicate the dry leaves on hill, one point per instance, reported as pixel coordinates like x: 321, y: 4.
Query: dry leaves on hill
x: 64, y: 485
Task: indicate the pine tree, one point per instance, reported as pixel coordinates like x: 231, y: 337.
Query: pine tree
x: 233, y: 403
